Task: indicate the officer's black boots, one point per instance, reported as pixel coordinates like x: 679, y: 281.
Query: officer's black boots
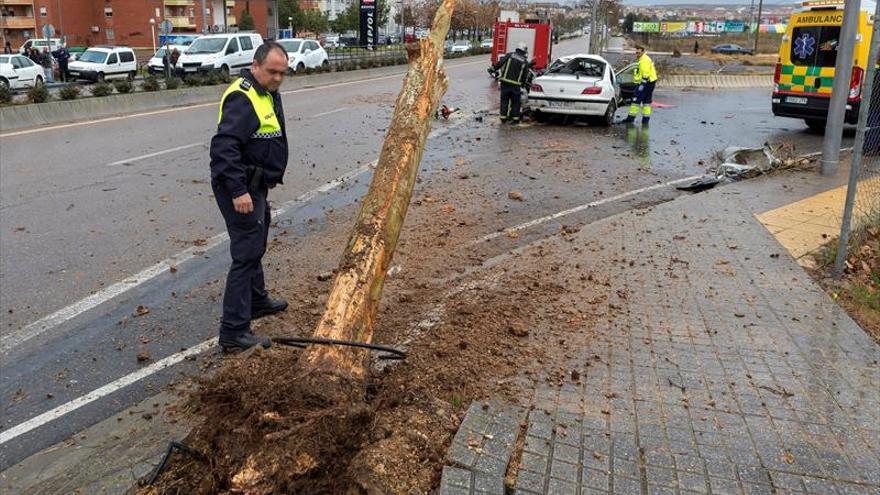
x: 242, y: 341
x: 268, y: 307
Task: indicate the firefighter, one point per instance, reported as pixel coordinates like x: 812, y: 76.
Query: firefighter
x: 646, y: 76
x: 513, y: 72
x: 249, y: 157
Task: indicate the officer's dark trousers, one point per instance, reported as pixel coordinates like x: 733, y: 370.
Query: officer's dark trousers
x: 511, y: 97
x: 248, y: 234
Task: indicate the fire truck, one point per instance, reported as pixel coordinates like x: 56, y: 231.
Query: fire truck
x: 535, y: 33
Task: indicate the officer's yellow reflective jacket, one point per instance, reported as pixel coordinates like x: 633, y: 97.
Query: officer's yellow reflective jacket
x: 645, y: 71
x: 250, y: 132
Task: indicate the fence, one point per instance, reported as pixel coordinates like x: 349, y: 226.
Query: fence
x: 379, y: 54
x: 861, y: 212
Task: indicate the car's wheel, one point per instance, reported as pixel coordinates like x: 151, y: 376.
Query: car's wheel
x: 608, y: 118
x: 38, y: 81
x: 816, y: 126
x: 300, y: 67
x: 99, y: 77
x: 4, y: 83
x: 224, y: 70
x: 540, y: 116
x: 325, y: 63
x: 131, y: 75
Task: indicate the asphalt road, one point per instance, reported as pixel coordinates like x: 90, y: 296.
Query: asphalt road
x: 88, y: 206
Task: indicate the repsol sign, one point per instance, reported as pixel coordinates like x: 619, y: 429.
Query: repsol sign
x: 820, y: 19
x: 369, y: 35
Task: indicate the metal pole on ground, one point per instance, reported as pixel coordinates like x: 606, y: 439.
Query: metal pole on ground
x: 840, y: 88
x: 858, y: 149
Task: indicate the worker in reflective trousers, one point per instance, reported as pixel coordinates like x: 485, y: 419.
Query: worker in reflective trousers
x: 646, y: 77
x: 248, y: 157
x: 513, y: 72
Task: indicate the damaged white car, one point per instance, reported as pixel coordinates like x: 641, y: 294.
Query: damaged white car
x: 579, y: 85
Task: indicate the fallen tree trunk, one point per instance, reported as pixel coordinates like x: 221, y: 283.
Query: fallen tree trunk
x: 354, y: 298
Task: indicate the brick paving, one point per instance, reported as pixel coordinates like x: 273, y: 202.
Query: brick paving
x: 728, y: 370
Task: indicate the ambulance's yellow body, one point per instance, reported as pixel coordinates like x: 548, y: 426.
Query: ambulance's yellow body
x: 805, y: 70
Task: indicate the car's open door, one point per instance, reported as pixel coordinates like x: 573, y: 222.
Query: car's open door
x: 625, y: 80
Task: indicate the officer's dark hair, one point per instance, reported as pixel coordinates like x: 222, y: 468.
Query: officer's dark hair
x: 265, y: 48
x: 640, y: 47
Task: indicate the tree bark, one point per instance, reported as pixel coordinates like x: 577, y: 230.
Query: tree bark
x: 354, y: 299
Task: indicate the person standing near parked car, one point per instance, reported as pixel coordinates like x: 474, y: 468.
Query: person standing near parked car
x: 34, y: 55
x: 7, y: 49
x: 47, y: 62
x: 249, y: 157
x: 513, y: 72
x: 62, y: 55
x: 646, y: 77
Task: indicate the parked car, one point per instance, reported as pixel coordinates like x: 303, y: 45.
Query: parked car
x: 18, y: 71
x: 104, y: 62
x: 304, y: 54
x: 155, y: 65
x: 447, y: 46
x: 227, y: 53
x: 486, y: 43
x: 582, y: 85
x: 332, y: 41
x: 461, y: 46
x: 40, y: 43
x: 731, y: 49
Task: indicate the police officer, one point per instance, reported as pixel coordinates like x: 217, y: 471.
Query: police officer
x: 646, y: 76
x: 248, y: 157
x: 513, y: 70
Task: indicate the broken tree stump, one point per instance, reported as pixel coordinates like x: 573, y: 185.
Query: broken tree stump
x: 354, y: 299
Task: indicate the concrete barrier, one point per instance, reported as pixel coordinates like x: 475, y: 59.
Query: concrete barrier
x: 715, y: 81
x: 19, y: 117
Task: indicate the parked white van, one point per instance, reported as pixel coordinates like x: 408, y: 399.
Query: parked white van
x: 104, y: 62
x: 227, y: 53
x: 39, y: 44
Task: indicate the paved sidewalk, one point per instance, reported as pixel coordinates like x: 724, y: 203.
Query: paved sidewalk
x: 725, y: 371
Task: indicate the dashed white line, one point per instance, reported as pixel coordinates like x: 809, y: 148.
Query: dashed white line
x: 157, y: 153
x: 539, y: 221
x: 68, y: 407
x: 322, y: 114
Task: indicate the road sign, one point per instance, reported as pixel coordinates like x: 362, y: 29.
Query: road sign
x: 165, y: 26
x: 48, y: 31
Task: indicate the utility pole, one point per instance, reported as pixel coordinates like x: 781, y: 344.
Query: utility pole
x: 758, y: 30
x: 840, y: 89
x: 593, y: 21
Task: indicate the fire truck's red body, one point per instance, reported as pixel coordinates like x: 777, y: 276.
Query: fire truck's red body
x: 536, y: 35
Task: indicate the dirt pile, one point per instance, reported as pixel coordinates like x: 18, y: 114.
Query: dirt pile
x: 270, y: 427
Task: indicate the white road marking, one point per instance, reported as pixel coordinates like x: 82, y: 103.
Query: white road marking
x: 157, y: 153
x: 65, y: 314
x: 200, y: 105
x: 66, y: 408
x: 539, y: 221
x: 330, y: 112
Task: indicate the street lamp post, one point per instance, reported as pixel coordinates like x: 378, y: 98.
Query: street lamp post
x: 290, y: 25
x: 153, y: 33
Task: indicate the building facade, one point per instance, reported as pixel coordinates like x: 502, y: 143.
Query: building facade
x: 127, y: 22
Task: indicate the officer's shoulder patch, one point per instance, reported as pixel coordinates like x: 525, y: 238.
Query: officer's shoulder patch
x: 245, y: 84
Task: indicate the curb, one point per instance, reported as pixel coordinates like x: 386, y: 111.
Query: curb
x: 19, y: 117
x: 718, y: 81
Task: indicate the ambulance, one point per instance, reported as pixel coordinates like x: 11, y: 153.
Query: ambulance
x: 805, y: 71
